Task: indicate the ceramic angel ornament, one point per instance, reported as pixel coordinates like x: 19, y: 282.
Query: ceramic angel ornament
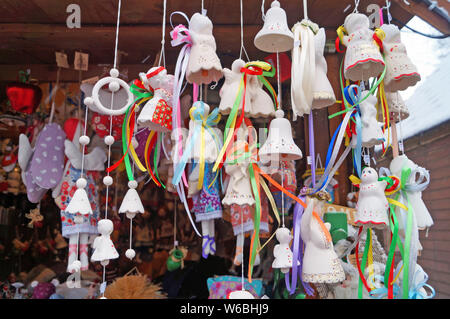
x: 282, y: 251
x: 320, y: 261
x: 204, y: 65
x: 230, y: 88
x: 416, y: 184
x: 363, y: 59
x: 401, y: 73
x: 157, y: 112
x: 261, y: 103
x: 372, y: 206
x: 323, y: 94
x: 103, y: 246
x: 371, y: 133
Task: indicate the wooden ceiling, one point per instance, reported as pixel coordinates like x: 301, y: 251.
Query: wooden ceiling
x: 31, y: 31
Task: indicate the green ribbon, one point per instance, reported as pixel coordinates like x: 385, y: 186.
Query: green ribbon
x: 363, y: 262
x: 156, y: 157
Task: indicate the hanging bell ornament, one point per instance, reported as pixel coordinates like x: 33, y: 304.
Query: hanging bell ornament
x: 131, y: 204
x: 275, y: 36
x: 279, y: 144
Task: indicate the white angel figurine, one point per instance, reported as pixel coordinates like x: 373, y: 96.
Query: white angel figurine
x: 204, y: 65
x: 282, y: 252
x: 372, y: 206
x: 157, y: 112
x: 230, y: 88
x: 363, y: 59
x: 103, y: 246
x: 261, y: 103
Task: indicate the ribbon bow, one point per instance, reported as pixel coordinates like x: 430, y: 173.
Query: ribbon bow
x: 415, y: 292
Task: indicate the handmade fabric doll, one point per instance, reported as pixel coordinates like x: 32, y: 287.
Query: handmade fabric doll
x: 230, y: 88
x: 157, y: 112
x: 103, y: 246
x: 401, y: 73
x: 372, y: 203
x: 287, y: 172
x: 320, y: 262
x: 363, y: 59
x: 371, y: 133
x: 42, y: 169
x: 414, y: 188
x: 204, y: 66
x: 323, y: 94
x: 78, y: 227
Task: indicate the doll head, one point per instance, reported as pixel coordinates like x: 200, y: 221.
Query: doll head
x: 283, y: 235
x: 369, y: 175
x: 237, y: 65
x: 392, y: 32
x: 158, y: 79
x: 105, y: 227
x: 200, y: 24
x: 355, y: 21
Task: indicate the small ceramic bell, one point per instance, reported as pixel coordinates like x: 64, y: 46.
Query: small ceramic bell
x: 363, y: 59
x: 103, y: 246
x: 157, y: 112
x: 396, y: 105
x: 80, y: 202
x: 323, y: 94
x: 371, y: 133
x: 401, y: 73
x: 204, y: 65
x: 414, y: 189
x: 279, y: 144
x: 120, y: 97
x: 230, y: 88
x: 372, y: 206
x: 282, y: 251
x: 275, y: 35
x: 131, y: 204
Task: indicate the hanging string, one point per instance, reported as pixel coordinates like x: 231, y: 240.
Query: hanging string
x: 356, y: 6
x: 305, y: 9
x: 262, y: 11
x: 52, y: 111
x: 387, y: 7
x: 242, y: 248
x: 242, y: 35
x: 278, y: 82
x: 282, y: 193
x: 402, y: 147
x: 203, y: 6
x: 117, y: 34
x: 84, y: 145
x: 163, y: 41
x: 175, y: 243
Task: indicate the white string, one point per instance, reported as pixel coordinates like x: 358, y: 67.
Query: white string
x: 131, y: 230
x: 242, y: 35
x: 203, y: 5
x: 52, y: 111
x: 356, y: 6
x: 402, y: 149
x: 242, y: 247
x: 84, y: 146
x: 282, y: 194
x: 278, y: 82
x: 262, y: 11
x: 117, y: 34
x: 305, y: 9
x: 163, y: 36
x: 175, y: 222
x: 387, y: 7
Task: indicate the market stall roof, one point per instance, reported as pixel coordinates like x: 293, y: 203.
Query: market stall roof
x: 31, y: 31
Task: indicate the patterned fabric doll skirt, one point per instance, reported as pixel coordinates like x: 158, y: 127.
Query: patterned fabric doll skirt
x: 248, y: 212
x: 68, y: 188
x: 207, y: 203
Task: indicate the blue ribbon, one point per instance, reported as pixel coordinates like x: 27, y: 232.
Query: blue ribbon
x: 352, y: 94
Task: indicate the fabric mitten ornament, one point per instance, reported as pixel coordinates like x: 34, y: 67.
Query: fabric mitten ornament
x: 371, y: 209
x: 401, y: 73
x: 363, y: 59
x: 417, y: 182
x: 230, y: 88
x: 204, y: 65
x: 157, y: 112
x: 320, y: 261
x: 103, y: 246
x: 371, y: 133
x: 323, y: 94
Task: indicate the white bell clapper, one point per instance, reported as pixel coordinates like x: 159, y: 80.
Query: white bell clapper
x: 275, y: 35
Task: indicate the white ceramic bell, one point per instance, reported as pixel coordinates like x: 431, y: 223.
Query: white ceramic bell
x: 279, y: 144
x: 275, y: 36
x: 80, y: 202
x: 131, y: 204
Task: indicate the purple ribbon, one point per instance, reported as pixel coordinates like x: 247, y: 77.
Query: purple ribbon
x: 311, y: 149
x: 297, y: 250
x: 210, y: 241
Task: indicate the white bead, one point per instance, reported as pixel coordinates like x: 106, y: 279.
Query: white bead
x: 81, y: 183
x: 109, y: 140
x: 130, y: 215
x: 114, y: 73
x: 89, y: 101
x: 84, y: 140
x: 279, y: 114
x: 114, y: 86
x: 107, y: 180
x: 130, y: 253
x: 134, y: 142
x: 132, y: 184
x: 104, y: 262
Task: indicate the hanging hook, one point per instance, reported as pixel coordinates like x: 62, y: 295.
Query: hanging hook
x: 387, y: 7
x: 356, y: 6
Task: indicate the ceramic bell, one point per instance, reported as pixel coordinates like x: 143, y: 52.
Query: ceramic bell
x: 320, y: 261
x: 261, y: 103
x: 396, y: 105
x: 103, y: 246
x: 157, y: 112
x: 120, y: 97
x: 401, y: 73
x: 230, y: 88
x: 414, y: 188
x: 131, y: 204
x: 204, y: 66
x: 279, y: 144
x: 323, y: 94
x: 282, y: 251
x: 363, y: 59
x: 275, y: 35
x: 371, y: 133
x: 372, y: 206
x: 80, y: 204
